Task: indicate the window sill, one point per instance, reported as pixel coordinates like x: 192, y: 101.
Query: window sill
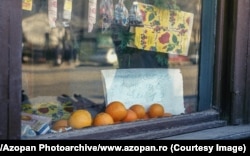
x: 151, y: 129
x: 235, y: 132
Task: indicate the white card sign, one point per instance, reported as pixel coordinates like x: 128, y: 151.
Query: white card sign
x: 145, y: 86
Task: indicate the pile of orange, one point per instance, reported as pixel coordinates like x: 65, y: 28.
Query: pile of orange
x: 115, y: 112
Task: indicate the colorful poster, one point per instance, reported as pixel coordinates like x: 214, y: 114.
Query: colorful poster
x: 163, y: 30
x: 27, y: 5
x: 52, y: 12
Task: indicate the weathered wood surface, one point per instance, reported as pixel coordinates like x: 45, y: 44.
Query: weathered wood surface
x: 241, y: 79
x: 15, y: 78
x: 4, y: 74
x: 144, y: 128
x: 10, y: 64
x: 164, y: 133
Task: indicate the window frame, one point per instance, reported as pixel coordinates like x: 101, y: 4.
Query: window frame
x: 10, y: 78
x: 207, y: 51
x: 233, y: 78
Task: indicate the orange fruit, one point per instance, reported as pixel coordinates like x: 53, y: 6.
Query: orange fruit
x: 80, y: 118
x: 117, y: 110
x: 156, y: 110
x: 131, y: 116
x: 103, y: 119
x: 60, y: 125
x: 139, y: 110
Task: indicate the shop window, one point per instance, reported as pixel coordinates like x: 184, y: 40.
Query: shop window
x: 73, y: 48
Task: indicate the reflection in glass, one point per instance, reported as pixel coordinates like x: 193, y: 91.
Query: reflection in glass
x: 66, y: 60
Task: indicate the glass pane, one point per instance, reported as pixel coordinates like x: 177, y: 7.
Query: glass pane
x: 63, y: 56
x: 191, y: 69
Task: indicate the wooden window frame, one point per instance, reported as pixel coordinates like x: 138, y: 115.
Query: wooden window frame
x: 226, y: 72
x: 232, y: 66
x: 11, y: 73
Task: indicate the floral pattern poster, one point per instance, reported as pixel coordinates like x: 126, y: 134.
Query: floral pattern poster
x: 163, y: 30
